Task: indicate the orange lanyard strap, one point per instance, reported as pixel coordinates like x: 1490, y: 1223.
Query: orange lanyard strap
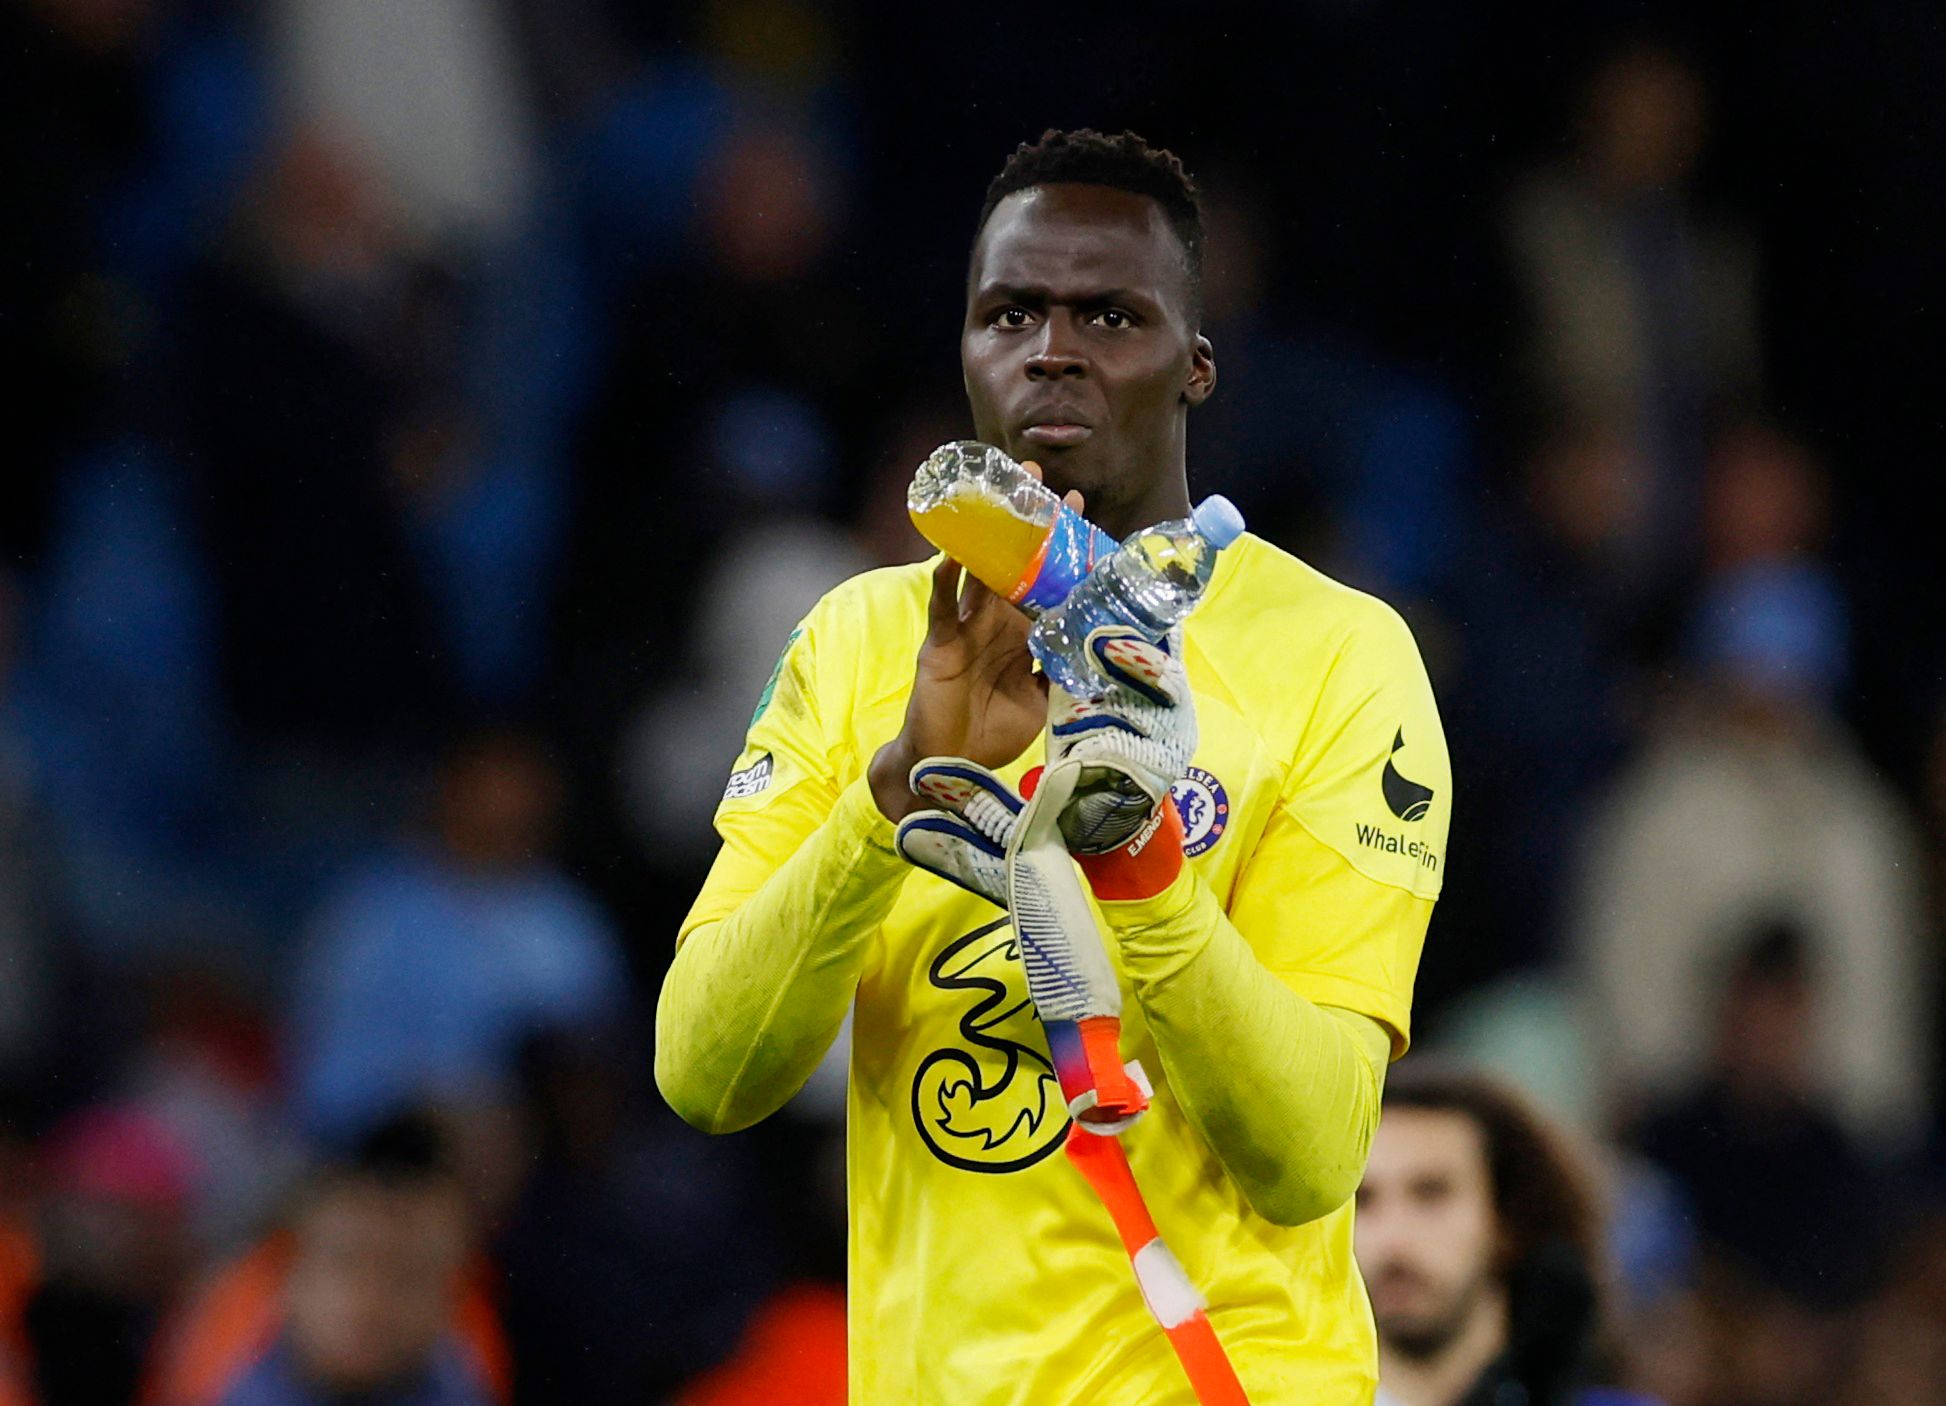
x: 1105, y: 1099
x: 1165, y: 1288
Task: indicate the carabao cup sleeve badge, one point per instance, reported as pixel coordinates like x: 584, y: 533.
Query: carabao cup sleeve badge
x: 1204, y: 807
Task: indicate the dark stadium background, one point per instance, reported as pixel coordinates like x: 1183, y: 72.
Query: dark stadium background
x: 388, y: 560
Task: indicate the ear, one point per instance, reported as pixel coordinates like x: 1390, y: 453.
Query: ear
x: 1202, y: 372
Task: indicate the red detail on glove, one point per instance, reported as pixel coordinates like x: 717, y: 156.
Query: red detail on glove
x: 1143, y: 867
x: 1031, y: 782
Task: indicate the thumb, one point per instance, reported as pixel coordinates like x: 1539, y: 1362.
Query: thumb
x: 1146, y: 669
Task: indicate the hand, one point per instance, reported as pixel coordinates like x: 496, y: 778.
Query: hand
x: 975, y: 694
x: 1132, y: 745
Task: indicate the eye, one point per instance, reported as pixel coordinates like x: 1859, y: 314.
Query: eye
x: 1012, y: 316
x: 1115, y: 319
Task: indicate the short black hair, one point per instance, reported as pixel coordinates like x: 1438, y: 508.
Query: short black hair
x: 1122, y: 162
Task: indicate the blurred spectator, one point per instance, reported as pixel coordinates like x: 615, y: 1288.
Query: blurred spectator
x: 435, y: 107
x: 770, y: 566
x: 1643, y: 309
x: 431, y: 94
x: 204, y: 1065
x: 638, y: 1248
x: 1793, y: 1217
x: 1752, y: 802
x: 1479, y: 1236
x: 314, y: 352
x: 139, y: 120
x: 113, y: 1249
x: 1355, y: 462
x: 369, y: 1297
x: 1765, y: 498
x: 1549, y: 656
x: 732, y: 402
x: 427, y: 968
x: 117, y: 704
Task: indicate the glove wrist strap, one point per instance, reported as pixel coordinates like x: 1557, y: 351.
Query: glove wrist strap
x: 1143, y: 867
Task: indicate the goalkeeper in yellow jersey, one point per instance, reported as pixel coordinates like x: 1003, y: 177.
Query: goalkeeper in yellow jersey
x: 1266, y: 949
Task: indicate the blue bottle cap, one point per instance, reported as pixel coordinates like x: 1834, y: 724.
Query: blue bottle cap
x: 1217, y: 518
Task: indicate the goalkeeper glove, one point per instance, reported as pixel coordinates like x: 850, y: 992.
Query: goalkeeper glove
x: 1112, y: 762
x: 964, y: 838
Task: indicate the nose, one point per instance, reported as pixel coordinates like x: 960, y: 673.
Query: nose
x: 1057, y: 352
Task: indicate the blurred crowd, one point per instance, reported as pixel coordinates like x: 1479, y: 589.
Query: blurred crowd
x: 432, y: 418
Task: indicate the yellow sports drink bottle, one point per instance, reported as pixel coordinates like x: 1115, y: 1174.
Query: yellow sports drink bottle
x: 1003, y: 525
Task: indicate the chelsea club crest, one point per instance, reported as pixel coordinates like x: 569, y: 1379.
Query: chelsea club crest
x: 1205, y: 809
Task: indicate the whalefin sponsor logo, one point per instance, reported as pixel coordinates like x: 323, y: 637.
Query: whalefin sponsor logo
x: 1376, y: 838
x: 1404, y: 798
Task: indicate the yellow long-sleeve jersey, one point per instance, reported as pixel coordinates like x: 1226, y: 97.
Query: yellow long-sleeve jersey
x: 1265, y: 989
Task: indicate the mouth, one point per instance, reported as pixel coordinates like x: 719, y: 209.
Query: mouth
x: 1397, y: 1290
x: 1056, y: 434
x: 1055, y: 426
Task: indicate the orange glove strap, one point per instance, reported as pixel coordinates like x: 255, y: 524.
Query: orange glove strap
x: 1143, y: 867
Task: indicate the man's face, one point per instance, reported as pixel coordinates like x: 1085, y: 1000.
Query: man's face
x: 374, y: 1282
x: 1426, y: 1234
x: 1079, y: 347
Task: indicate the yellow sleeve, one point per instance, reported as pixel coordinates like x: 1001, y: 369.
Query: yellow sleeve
x: 1276, y: 1019
x: 1337, y: 894
x: 1286, y: 1092
x: 770, y: 954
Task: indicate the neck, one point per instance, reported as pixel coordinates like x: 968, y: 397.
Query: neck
x: 1166, y: 497
x: 1443, y: 1378
x: 1124, y: 520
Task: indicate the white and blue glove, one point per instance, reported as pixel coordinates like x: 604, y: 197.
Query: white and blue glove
x: 1127, y: 748
x: 1114, y: 760
x: 963, y: 838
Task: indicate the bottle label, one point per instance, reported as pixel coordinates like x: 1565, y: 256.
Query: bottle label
x: 1068, y: 553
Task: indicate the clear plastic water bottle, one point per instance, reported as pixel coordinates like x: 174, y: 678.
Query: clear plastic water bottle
x: 1151, y: 582
x: 1003, y: 525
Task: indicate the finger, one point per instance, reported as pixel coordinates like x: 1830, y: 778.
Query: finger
x: 1034, y: 469
x: 943, y: 606
x: 953, y: 782
x: 1074, y: 500
x: 973, y: 595
x: 1002, y: 627
x: 1133, y: 662
x: 978, y: 602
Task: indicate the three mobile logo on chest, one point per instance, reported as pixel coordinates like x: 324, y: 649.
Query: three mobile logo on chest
x: 989, y: 1101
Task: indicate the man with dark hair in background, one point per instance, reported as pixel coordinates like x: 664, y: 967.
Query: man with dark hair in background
x: 1265, y: 911
x: 1479, y: 1238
